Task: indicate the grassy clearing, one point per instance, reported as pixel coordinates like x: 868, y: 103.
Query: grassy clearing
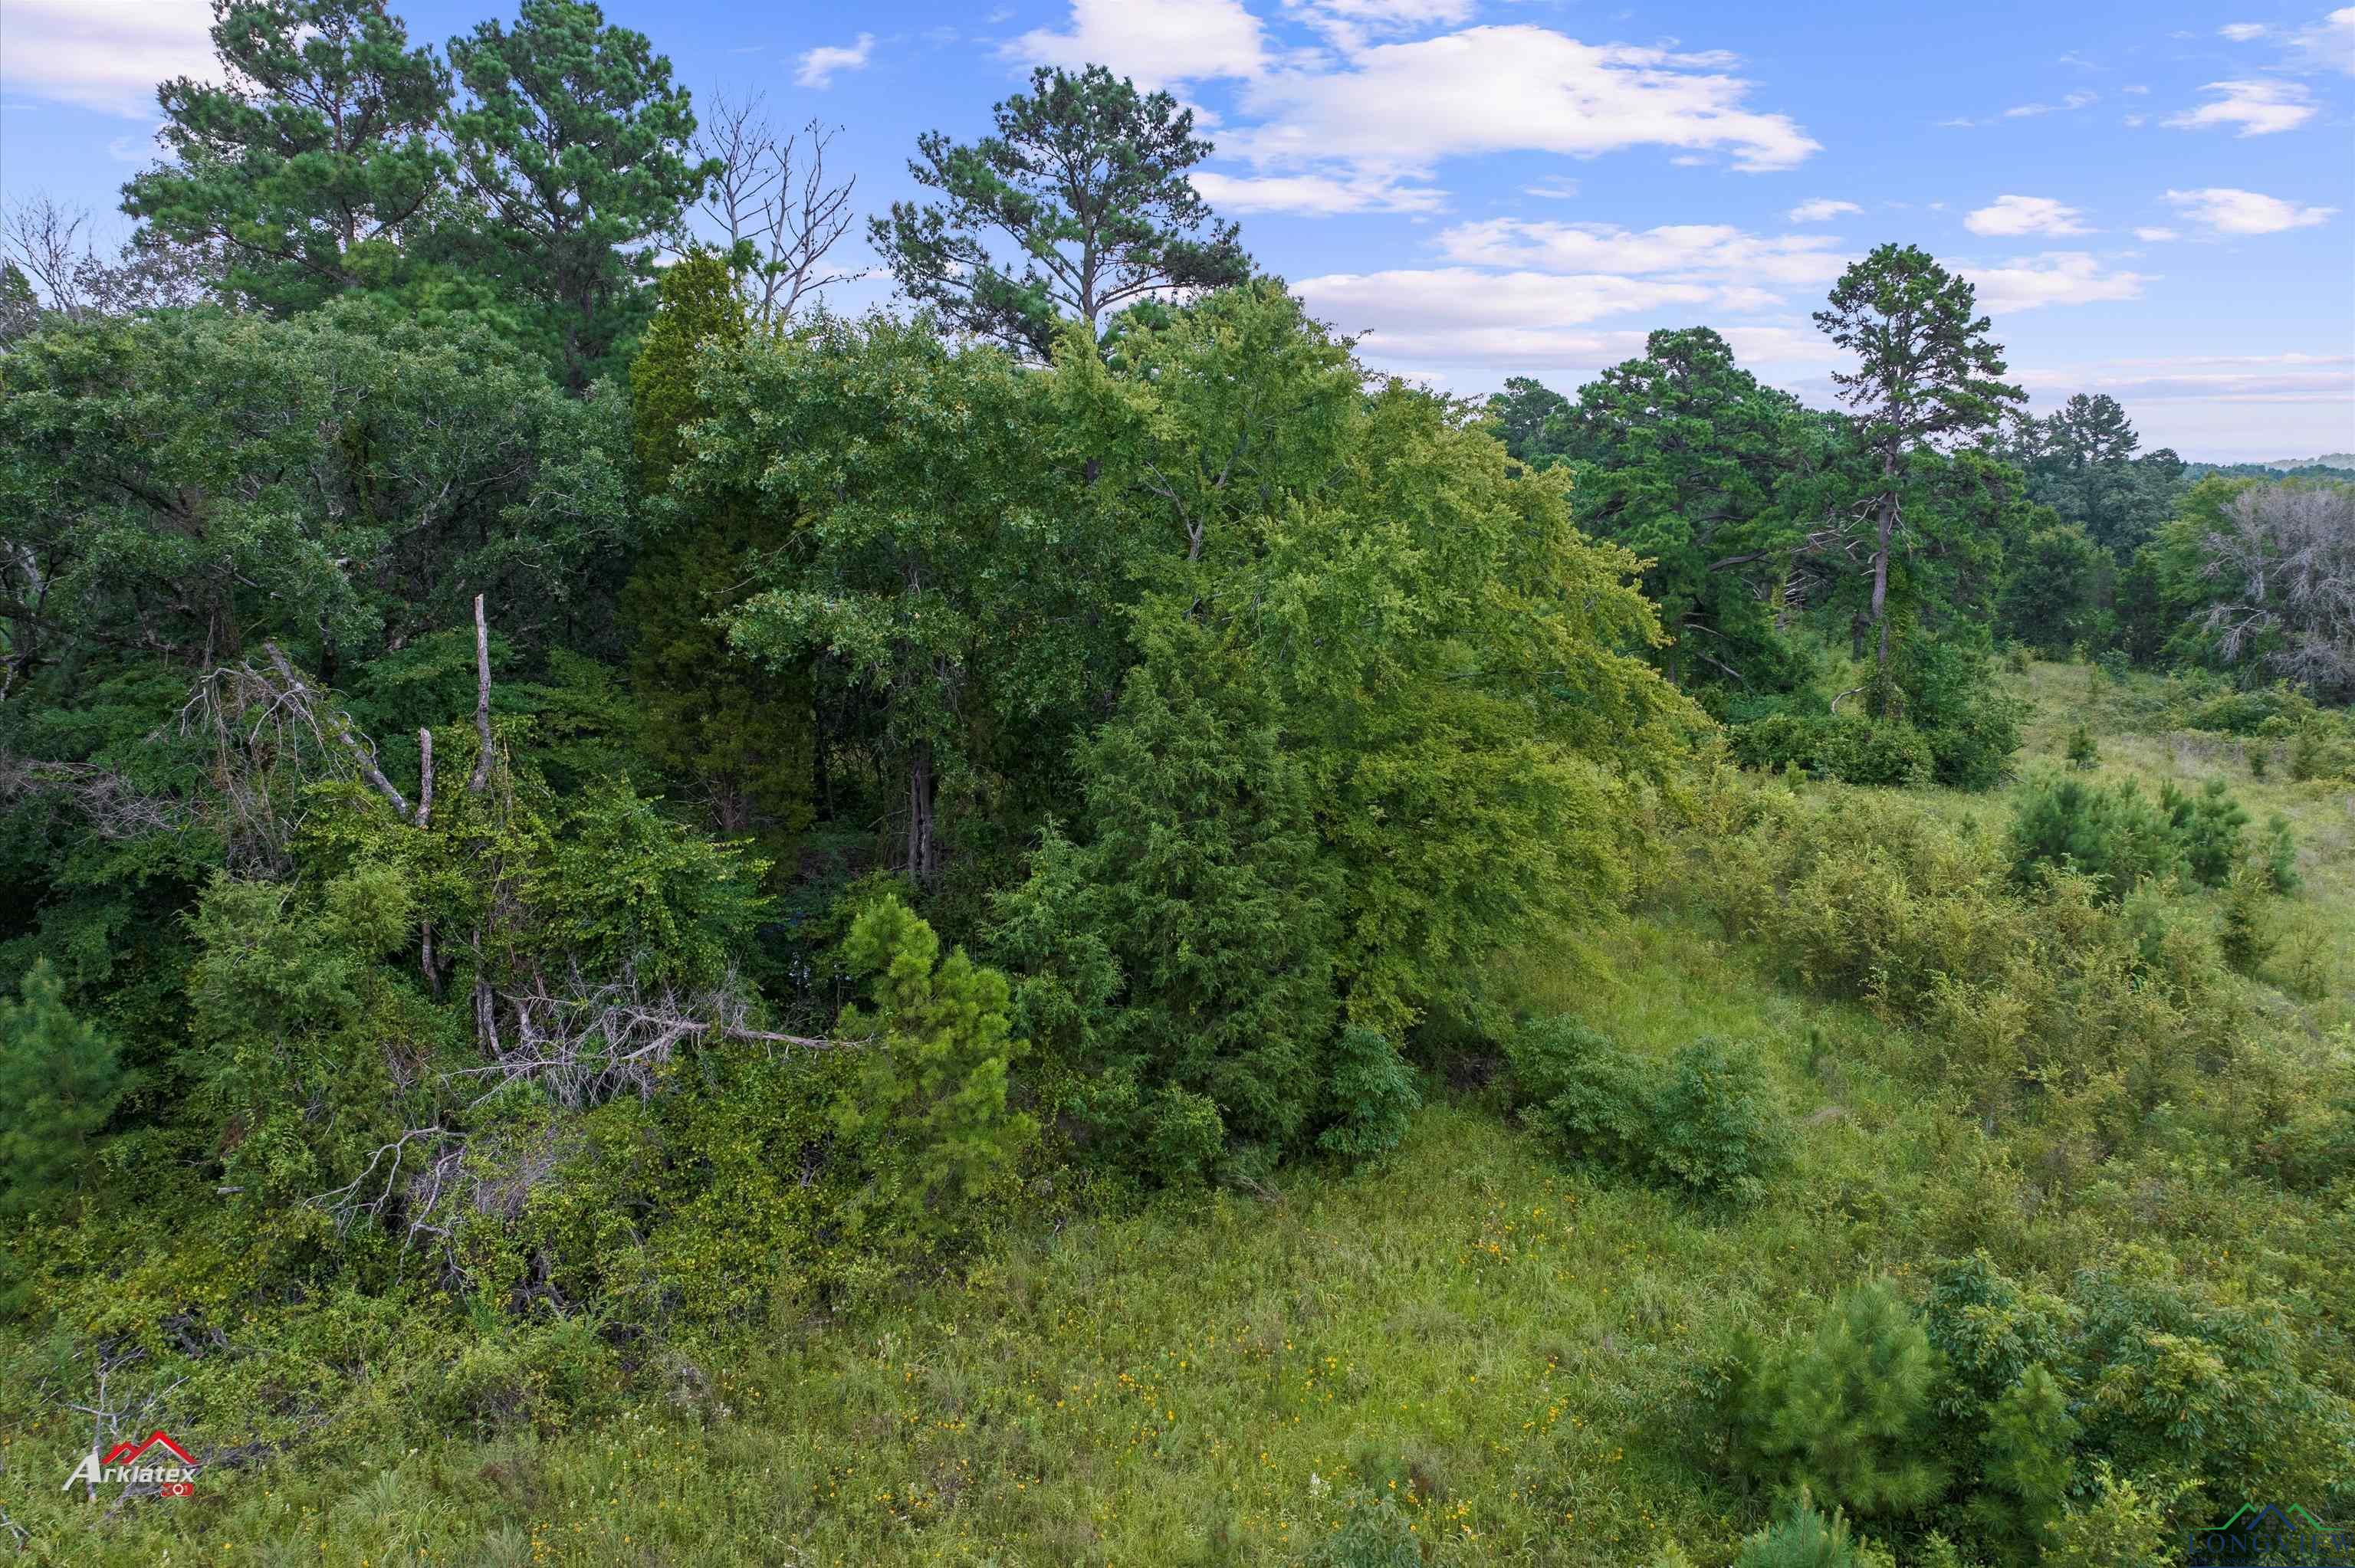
x: 1513, y: 1354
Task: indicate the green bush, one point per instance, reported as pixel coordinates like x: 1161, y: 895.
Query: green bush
x: 1846, y: 1412
x: 2083, y: 753
x: 1702, y: 1122
x: 60, y: 1081
x: 1373, y: 1096
x: 2207, y: 829
x: 1846, y: 747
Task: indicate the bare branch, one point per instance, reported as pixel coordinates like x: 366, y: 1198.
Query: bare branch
x: 482, y: 779
x: 771, y: 196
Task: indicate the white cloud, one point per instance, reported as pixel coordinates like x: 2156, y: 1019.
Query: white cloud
x: 819, y: 66
x: 2156, y: 236
x: 2329, y: 44
x: 1687, y: 252
x: 2137, y: 91
x: 2241, y: 31
x: 2258, y: 107
x: 2080, y: 99
x: 1315, y: 195
x: 2026, y: 215
x: 1406, y: 106
x: 1821, y: 210
x: 2228, y: 211
x: 2026, y: 110
x: 1553, y: 187
x: 1347, y: 24
x: 2136, y: 122
x: 2054, y: 277
x: 1166, y: 41
x: 1457, y: 315
x: 105, y: 56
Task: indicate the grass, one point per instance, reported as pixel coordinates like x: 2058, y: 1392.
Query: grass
x: 1514, y: 1354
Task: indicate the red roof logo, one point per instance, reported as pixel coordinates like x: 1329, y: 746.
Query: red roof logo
x: 126, y: 1451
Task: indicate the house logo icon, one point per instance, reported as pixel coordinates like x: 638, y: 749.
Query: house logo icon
x: 2269, y: 1535
x: 154, y: 1460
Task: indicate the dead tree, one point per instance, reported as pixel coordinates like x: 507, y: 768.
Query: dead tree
x: 771, y: 199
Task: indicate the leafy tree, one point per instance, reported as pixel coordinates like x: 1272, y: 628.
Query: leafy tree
x: 1926, y: 374
x: 1084, y: 182
x: 2080, y: 463
x: 575, y: 148
x: 929, y: 1102
x: 317, y: 164
x: 1680, y: 456
x: 1846, y: 1414
x: 59, y: 1081
x: 943, y: 566
x: 2052, y: 599
x: 191, y: 485
x: 743, y: 731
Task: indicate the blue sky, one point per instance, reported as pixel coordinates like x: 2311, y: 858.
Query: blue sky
x: 2156, y: 200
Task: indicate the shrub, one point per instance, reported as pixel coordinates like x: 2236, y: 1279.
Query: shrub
x: 1701, y: 1122
x: 2029, y: 1463
x: 1373, y: 1096
x: 2258, y: 758
x: 2246, y: 937
x: 2083, y: 753
x: 1972, y: 729
x: 1846, y: 747
x: 2117, y: 1525
x: 1846, y: 1414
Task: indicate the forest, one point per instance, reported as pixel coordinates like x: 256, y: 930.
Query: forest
x: 647, y: 924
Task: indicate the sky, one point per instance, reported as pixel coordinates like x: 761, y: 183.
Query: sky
x: 2155, y: 200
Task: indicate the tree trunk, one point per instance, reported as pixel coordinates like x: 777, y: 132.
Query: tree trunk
x: 1887, y: 527
x: 923, y: 853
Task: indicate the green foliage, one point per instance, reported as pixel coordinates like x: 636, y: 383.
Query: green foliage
x: 2083, y: 753
x: 741, y: 730
x: 623, y: 890
x: 1845, y: 1413
x: 2117, y: 1525
x: 2030, y: 1464
x: 1973, y: 730
x: 929, y: 1102
x: 1375, y: 1533
x: 1701, y: 1122
x: 1204, y: 888
x: 1680, y: 456
x: 2115, y: 835
x: 1805, y: 1537
x: 2053, y: 598
x: 1846, y: 747
x: 2281, y: 855
x: 1927, y: 372
x: 574, y: 149
x: 2206, y: 830
x: 1372, y: 1095
x: 317, y: 168
x: 59, y: 1081
x: 2246, y: 937
x: 1084, y: 185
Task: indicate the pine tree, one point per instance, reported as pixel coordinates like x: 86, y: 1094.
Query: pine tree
x: 1846, y: 1414
x: 929, y: 1102
x: 60, y: 1081
x: 2028, y: 1464
x: 744, y: 732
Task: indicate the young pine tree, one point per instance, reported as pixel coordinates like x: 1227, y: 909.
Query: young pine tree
x: 929, y: 1104
x: 1846, y: 1414
x: 60, y: 1081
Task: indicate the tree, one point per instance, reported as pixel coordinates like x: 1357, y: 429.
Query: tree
x: 929, y: 1102
x: 315, y: 163
x: 2080, y: 462
x: 1846, y: 1414
x: 771, y: 201
x: 2051, y: 600
x: 742, y: 731
x: 2280, y: 572
x: 1680, y: 456
x: 1530, y: 419
x: 1086, y: 180
x: 51, y: 272
x: 1202, y: 892
x: 576, y: 149
x: 59, y: 1081
x: 1926, y: 374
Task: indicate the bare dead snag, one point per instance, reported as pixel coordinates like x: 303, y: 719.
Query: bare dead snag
x: 340, y: 726
x: 482, y: 779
